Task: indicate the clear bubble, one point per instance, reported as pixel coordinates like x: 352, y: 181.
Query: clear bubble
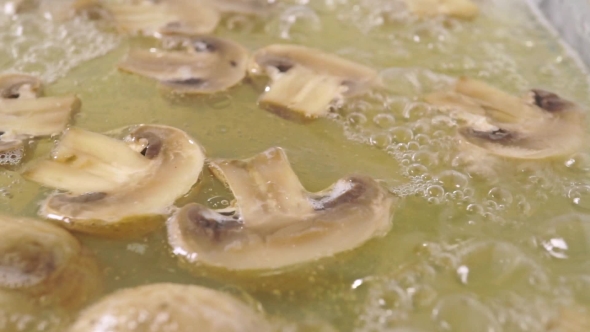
x: 380, y: 140
x: 401, y: 134
x: 296, y: 22
x: 384, y: 120
x: 500, y: 196
x: 425, y: 157
x: 452, y: 180
x: 356, y: 118
x: 566, y: 237
x: 580, y: 196
x: 417, y: 170
x: 579, y: 162
x: 435, y: 191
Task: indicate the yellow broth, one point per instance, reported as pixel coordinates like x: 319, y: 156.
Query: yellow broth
x: 467, y: 252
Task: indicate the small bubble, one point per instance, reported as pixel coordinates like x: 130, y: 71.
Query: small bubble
x: 425, y: 158
x: 500, y: 196
x: 401, y: 134
x: 380, y: 140
x: 453, y: 180
x: 580, y: 197
x: 435, y: 191
x: 384, y: 120
x: 356, y: 118
x: 417, y: 170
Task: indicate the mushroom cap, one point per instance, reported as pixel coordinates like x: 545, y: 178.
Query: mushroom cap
x: 536, y: 126
x: 170, y: 307
x: 275, y: 222
x: 275, y: 59
x: 307, y: 81
x: 38, y: 259
x: 14, y: 86
x: 210, y: 64
x: 118, y: 188
x: 153, y: 18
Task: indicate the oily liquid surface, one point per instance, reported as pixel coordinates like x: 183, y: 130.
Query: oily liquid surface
x: 494, y: 245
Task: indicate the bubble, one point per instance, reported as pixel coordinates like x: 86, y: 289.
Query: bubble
x: 567, y: 237
x: 298, y: 21
x: 380, y: 140
x: 464, y: 313
x: 412, y: 81
x: 218, y: 202
x: 12, y: 157
x: 435, y: 191
x: 423, y: 296
x: 401, y: 134
x: 384, y: 120
x: 417, y: 170
x: 579, y: 162
x: 497, y: 263
x: 580, y: 196
x: 452, y: 180
x: 356, y: 118
x: 500, y: 196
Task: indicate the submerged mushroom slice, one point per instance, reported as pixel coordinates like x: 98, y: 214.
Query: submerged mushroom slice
x: 275, y: 222
x: 152, y: 18
x: 307, y: 81
x: 170, y: 307
x: 539, y: 125
x: 41, y: 260
x: 464, y: 9
x: 117, y: 187
x: 209, y: 65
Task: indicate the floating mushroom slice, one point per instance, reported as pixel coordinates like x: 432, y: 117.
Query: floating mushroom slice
x: 275, y: 222
x: 152, y: 18
x: 170, y: 307
x: 539, y: 125
x: 308, y: 81
x: 117, y: 187
x: 464, y: 9
x: 41, y: 260
x: 209, y: 65
x: 24, y: 114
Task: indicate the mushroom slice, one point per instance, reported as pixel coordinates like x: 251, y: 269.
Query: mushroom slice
x: 464, y: 9
x: 152, y: 18
x: 209, y: 65
x: 25, y: 114
x: 170, y: 307
x: 40, y: 260
x: 117, y: 187
x: 539, y: 125
x: 307, y: 81
x: 275, y: 222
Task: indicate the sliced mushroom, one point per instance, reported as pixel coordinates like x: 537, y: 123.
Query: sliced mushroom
x: 540, y: 125
x: 41, y: 260
x: 170, y: 307
x: 464, y: 9
x: 307, y: 81
x: 209, y: 65
x: 117, y: 187
x: 153, y: 18
x: 24, y: 114
x: 274, y: 222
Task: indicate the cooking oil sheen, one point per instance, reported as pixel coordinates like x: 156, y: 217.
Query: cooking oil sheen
x: 484, y: 245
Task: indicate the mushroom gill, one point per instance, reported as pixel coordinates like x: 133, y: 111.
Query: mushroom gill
x: 463, y: 9
x: 170, y: 307
x: 539, y: 125
x: 209, y: 64
x: 40, y: 260
x: 25, y: 114
x: 307, y: 81
x: 274, y: 222
x: 117, y: 187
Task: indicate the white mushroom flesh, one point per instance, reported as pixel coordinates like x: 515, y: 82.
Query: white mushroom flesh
x: 464, y: 9
x: 308, y: 81
x: 541, y: 125
x: 113, y: 183
x: 152, y: 18
x: 170, y: 307
x: 210, y: 64
x: 40, y: 260
x: 275, y: 222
